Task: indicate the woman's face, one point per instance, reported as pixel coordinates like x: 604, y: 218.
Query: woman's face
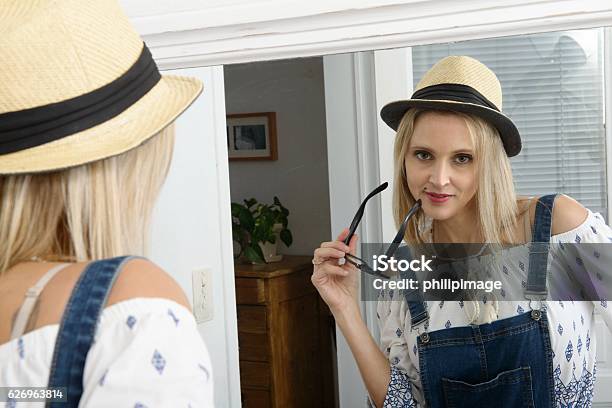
x: 440, y: 164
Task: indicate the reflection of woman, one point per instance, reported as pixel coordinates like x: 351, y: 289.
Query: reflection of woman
x: 86, y: 140
x: 451, y: 151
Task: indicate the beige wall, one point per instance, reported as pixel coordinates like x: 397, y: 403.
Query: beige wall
x: 294, y: 90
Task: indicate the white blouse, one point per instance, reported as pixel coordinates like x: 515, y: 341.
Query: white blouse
x: 571, y: 323
x: 147, y: 352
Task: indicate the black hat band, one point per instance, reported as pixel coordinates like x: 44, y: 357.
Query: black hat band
x: 454, y: 92
x: 28, y: 128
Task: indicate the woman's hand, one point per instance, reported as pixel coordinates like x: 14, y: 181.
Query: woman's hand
x: 337, y: 282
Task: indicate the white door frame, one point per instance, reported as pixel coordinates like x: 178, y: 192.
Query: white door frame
x: 353, y: 168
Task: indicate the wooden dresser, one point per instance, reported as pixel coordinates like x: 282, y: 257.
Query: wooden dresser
x: 284, y: 336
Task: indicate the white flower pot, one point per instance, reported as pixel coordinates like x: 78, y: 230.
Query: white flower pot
x: 269, y: 249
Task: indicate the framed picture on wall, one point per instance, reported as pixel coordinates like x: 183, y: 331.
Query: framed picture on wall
x: 251, y: 136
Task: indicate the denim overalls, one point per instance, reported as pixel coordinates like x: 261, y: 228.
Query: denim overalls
x: 506, y: 363
x: 78, y: 327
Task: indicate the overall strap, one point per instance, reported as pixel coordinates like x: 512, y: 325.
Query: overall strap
x: 414, y: 298
x: 78, y: 327
x: 538, y: 249
x: 418, y: 310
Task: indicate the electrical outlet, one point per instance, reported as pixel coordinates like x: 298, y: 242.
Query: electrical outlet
x: 202, y: 294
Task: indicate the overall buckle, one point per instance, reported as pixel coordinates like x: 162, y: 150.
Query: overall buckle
x: 424, y: 336
x: 536, y: 296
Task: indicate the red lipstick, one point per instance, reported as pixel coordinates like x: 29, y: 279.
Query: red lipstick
x: 438, y: 198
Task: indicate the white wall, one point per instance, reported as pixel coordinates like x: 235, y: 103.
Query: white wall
x: 294, y: 90
x: 192, y: 225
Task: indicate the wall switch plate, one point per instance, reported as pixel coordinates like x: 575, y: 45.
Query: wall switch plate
x: 202, y: 294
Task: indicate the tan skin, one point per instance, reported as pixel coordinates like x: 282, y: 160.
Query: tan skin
x: 139, y: 278
x: 435, y: 164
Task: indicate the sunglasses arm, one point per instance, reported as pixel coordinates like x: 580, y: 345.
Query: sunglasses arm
x: 359, y: 214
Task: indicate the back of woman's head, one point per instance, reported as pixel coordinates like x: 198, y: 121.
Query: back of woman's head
x: 88, y: 212
x: 82, y: 150
x: 494, y: 178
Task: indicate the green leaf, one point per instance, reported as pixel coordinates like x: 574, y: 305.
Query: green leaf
x: 271, y: 237
x: 250, y: 202
x: 236, y: 208
x: 257, y: 249
x: 267, y: 225
x: 246, y: 219
x: 286, y: 237
x: 258, y: 235
x: 254, y: 254
x: 254, y: 223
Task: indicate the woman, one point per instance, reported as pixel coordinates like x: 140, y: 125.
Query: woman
x: 86, y: 140
x: 451, y: 152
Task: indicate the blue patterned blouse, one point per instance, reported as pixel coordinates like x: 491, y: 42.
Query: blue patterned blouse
x: 572, y: 324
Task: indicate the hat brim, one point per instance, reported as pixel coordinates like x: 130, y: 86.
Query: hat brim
x: 150, y: 114
x: 392, y: 114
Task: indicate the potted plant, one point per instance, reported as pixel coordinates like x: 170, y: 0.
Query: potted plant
x: 256, y: 228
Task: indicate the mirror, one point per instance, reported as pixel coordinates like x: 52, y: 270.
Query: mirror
x: 553, y: 89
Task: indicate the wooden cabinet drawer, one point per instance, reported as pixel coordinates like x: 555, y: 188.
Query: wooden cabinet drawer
x: 250, y: 291
x: 252, y: 319
x: 254, y: 346
x: 255, y: 398
x: 254, y: 374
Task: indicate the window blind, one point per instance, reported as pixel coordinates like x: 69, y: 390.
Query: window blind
x: 552, y: 86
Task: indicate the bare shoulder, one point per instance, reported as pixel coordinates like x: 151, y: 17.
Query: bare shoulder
x: 567, y: 214
x: 142, y: 278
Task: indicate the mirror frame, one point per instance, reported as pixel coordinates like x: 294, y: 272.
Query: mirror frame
x: 256, y: 31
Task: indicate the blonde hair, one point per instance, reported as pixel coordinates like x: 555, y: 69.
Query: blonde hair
x: 498, y: 218
x: 93, y: 211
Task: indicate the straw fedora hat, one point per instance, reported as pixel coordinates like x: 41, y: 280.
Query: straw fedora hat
x: 461, y: 84
x: 77, y: 84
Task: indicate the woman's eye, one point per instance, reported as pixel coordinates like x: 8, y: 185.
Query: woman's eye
x: 464, y: 158
x: 422, y: 155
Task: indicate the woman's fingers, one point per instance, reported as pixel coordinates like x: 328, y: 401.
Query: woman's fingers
x: 351, y: 248
x: 343, y: 235
x: 328, y: 252
x: 329, y: 269
x: 335, y: 244
x: 353, y: 244
x: 336, y: 249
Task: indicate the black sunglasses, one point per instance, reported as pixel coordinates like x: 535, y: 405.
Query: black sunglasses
x: 360, y: 263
